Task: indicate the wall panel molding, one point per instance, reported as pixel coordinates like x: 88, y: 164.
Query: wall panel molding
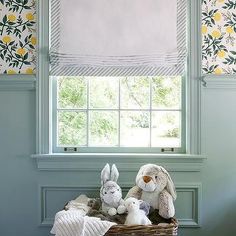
x: 47, y: 218
x: 17, y: 82
x: 195, y: 189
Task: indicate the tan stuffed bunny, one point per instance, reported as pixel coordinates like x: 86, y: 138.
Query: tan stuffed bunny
x: 155, y: 186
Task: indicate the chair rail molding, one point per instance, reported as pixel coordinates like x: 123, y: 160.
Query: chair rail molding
x: 17, y: 82
x: 219, y: 81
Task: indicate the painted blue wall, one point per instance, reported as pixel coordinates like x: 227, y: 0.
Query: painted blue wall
x: 24, y: 204
x: 18, y: 174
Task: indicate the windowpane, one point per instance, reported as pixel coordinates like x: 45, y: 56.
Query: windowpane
x: 135, y: 92
x: 119, y: 111
x: 72, y: 92
x: 134, y: 129
x: 103, y: 128
x: 104, y: 92
x: 166, y: 129
x: 72, y: 128
x: 166, y: 92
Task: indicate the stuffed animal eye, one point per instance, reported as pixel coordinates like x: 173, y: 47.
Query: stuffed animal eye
x: 105, y: 192
x: 156, y: 177
x: 133, y: 202
x: 118, y: 189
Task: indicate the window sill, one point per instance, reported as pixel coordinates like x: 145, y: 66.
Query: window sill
x: 128, y: 162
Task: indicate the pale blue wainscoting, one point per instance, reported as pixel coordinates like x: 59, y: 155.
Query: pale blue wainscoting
x: 30, y: 194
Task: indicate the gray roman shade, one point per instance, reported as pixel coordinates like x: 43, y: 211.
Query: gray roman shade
x: 118, y: 37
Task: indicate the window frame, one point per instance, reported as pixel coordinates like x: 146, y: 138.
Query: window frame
x: 192, y: 85
x: 119, y: 149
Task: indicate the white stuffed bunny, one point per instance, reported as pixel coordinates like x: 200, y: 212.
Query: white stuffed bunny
x: 135, y: 216
x: 110, y: 192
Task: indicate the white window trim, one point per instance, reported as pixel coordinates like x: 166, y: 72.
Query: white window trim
x: 193, y: 85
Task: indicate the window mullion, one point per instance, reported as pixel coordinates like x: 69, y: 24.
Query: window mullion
x: 115, y: 109
x: 119, y: 107
x: 150, y: 113
x: 87, y: 111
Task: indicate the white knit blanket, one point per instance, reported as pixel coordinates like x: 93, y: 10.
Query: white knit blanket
x: 72, y: 223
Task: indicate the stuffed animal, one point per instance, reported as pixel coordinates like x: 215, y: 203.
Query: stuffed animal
x: 135, y: 216
x: 110, y: 192
x: 80, y: 204
x: 155, y: 186
x: 145, y: 207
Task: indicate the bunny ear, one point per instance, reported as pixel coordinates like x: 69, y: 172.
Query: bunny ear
x: 114, y: 173
x: 105, y: 174
x: 170, y: 185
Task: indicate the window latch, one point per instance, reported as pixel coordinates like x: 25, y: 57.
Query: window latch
x: 167, y: 150
x: 70, y: 149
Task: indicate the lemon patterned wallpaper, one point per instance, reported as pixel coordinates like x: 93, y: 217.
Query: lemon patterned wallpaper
x: 219, y: 36
x: 17, y: 36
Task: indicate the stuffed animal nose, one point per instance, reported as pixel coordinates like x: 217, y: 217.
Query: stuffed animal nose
x: 146, y: 178
x: 112, y: 192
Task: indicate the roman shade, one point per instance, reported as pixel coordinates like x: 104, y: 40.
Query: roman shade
x: 118, y: 37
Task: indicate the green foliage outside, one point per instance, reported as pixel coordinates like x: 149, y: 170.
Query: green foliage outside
x: 103, y: 104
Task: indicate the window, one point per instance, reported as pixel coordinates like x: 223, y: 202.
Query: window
x: 140, y: 105
x: 142, y: 112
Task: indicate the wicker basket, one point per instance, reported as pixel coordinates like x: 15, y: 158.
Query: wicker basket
x: 141, y: 230
x: 168, y: 229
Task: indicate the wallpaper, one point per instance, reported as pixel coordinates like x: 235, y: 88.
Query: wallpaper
x: 17, y: 36
x: 218, y: 36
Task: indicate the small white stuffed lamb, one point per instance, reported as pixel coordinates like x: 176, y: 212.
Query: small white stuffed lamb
x: 135, y: 216
x: 110, y: 192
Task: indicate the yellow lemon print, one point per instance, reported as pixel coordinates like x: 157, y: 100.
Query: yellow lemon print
x: 204, y: 29
x: 217, y: 16
x: 11, y: 72
x: 218, y: 71
x: 33, y: 40
x: 29, y: 16
x: 221, y: 1
x: 21, y: 51
x: 221, y: 54
x: 229, y: 29
x: 29, y: 71
x: 11, y: 17
x: 216, y: 34
x: 6, y: 39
